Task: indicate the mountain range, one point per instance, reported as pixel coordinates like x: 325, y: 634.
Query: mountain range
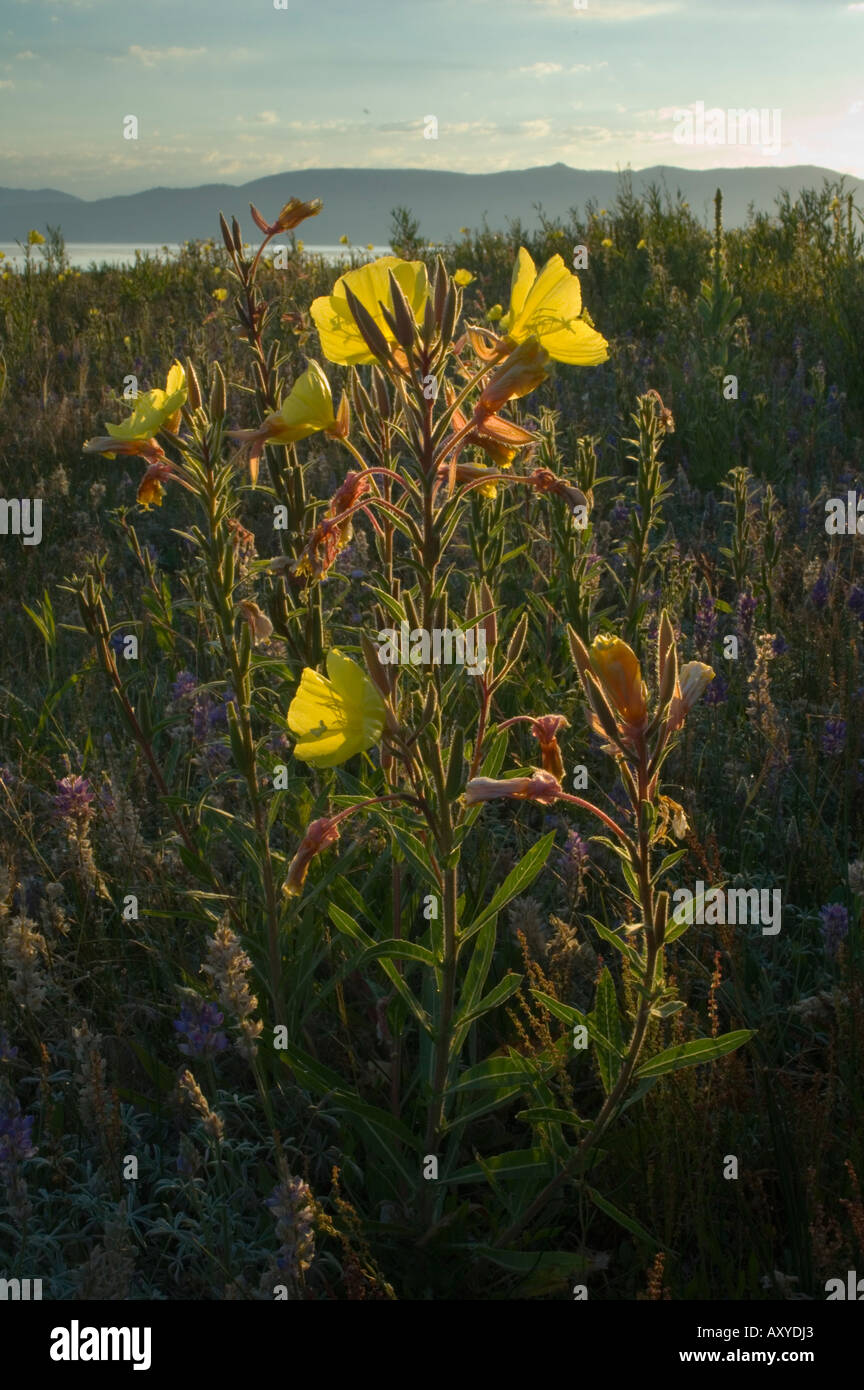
x: 358, y: 202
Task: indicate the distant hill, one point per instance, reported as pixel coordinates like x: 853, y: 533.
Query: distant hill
x: 358, y: 202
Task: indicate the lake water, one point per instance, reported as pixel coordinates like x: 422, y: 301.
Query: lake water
x: 84, y: 254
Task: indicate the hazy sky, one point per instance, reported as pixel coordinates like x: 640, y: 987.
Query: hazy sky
x: 229, y: 90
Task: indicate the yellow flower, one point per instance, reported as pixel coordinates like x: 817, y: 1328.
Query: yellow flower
x: 607, y: 241
x: 307, y: 409
x: 521, y: 372
x: 341, y: 339
x: 495, y: 313
x: 617, y: 668
x: 463, y: 278
x: 335, y: 718
x: 641, y: 244
x: 343, y: 240
x: 220, y: 295
x: 693, y: 679
x: 154, y: 410
x: 549, y: 307
x: 35, y: 238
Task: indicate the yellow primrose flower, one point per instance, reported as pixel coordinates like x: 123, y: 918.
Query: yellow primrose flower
x: 220, y: 295
x: 343, y: 240
x: 495, y: 313
x: 548, y: 306
x: 693, y: 680
x: 335, y: 718
x: 307, y: 409
x: 617, y: 668
x: 154, y: 410
x: 463, y: 278
x: 607, y: 241
x: 341, y: 339
x: 641, y: 244
x: 35, y: 238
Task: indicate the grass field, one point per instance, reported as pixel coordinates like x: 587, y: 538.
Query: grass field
x: 286, y: 1010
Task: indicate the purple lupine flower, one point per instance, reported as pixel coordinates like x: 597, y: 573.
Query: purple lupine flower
x: 745, y: 608
x: 201, y: 1027
x: 835, y: 926
x: 117, y: 642
x: 819, y: 592
x: 73, y: 799
x: 574, y: 856
x: 704, y: 624
x: 781, y: 646
x: 855, y: 602
x: 717, y: 692
x: 619, y: 513
x: 833, y: 739
x: 184, y: 685
x: 294, y: 1214
x: 16, y: 1135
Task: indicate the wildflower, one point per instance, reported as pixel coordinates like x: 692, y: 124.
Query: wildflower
x: 835, y: 926
x: 343, y: 240
x: 191, y: 1092
x: 307, y: 409
x: 201, y: 1028
x: 641, y: 244
x: 548, y: 307
x: 693, y: 679
x: 73, y: 799
x: 16, y: 1135
x: 545, y: 730
x: 833, y: 739
x: 35, y: 238
x: 718, y: 692
x: 495, y: 313
x: 541, y: 786
x: 319, y: 553
x: 220, y: 295
x: 607, y: 241
x: 463, y: 278
x: 337, y: 717
x: 341, y: 339
x: 154, y: 410
x: 291, y: 1205
x: 499, y: 439
x: 470, y: 473
x: 319, y: 835
x: 544, y: 480
x: 521, y: 372
x: 150, y: 489
x: 617, y: 668
x: 819, y: 592
x: 259, y: 624
x: 855, y: 601
x: 185, y: 684
x: 293, y: 213
x: 227, y: 966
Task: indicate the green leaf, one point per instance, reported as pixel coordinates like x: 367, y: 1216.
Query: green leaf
x: 608, y: 1022
x: 495, y: 1071
x: 505, y: 1167
x: 349, y: 927
x: 693, y: 1054
x: 550, y: 1114
x: 628, y: 1222
x: 497, y: 996
x: 568, y: 1014
x: 396, y: 949
x: 518, y: 879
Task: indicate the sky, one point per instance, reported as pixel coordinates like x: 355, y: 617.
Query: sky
x: 231, y: 90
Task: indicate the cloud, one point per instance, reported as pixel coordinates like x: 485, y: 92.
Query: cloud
x: 262, y: 118
x: 616, y: 11
x: 152, y: 57
x: 542, y: 69
x: 22, y: 57
x: 589, y: 67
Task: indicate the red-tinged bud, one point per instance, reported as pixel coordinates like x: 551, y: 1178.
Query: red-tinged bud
x: 319, y: 835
